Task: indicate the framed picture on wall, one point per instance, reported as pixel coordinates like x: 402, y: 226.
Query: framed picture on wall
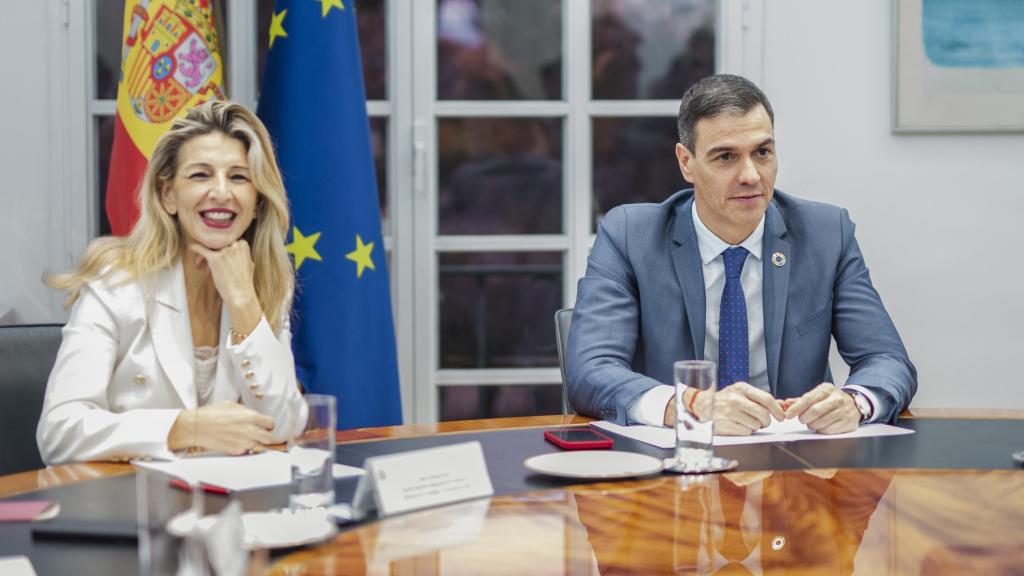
x: 958, y: 66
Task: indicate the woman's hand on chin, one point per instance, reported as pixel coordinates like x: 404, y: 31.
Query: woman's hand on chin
x: 232, y: 270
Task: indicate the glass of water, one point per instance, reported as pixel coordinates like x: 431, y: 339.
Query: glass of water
x: 158, y: 505
x: 695, y: 436
x: 312, y: 456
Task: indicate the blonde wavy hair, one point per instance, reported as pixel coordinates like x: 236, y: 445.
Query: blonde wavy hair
x: 156, y: 241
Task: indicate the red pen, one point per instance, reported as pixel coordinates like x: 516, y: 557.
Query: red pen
x: 210, y: 488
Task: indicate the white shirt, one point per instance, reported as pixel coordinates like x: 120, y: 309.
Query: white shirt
x: 205, y: 370
x: 649, y: 409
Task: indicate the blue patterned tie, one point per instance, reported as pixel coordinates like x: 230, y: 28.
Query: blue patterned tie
x: 733, y: 349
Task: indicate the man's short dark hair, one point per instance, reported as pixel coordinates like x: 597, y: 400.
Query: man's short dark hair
x: 714, y: 95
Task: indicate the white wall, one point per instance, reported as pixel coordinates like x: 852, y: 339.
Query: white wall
x: 27, y: 218
x: 938, y: 216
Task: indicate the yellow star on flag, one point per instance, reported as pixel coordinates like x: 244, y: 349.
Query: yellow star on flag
x: 361, y: 256
x: 303, y: 247
x: 277, y: 27
x: 326, y: 5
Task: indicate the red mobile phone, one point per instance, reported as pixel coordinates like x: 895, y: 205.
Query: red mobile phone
x: 581, y: 439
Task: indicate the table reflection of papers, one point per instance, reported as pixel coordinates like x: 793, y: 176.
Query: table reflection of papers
x: 784, y: 431
x: 419, y: 533
x: 461, y: 538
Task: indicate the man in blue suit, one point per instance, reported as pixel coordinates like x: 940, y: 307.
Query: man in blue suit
x: 736, y: 272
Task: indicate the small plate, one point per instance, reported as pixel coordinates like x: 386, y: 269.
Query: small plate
x: 272, y: 529
x: 717, y: 465
x: 594, y: 464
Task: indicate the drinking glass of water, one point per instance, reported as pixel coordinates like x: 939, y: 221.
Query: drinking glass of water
x: 169, y: 541
x: 695, y: 436
x: 312, y: 456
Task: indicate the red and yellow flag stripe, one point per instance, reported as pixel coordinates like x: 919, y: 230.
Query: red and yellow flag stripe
x: 170, y: 62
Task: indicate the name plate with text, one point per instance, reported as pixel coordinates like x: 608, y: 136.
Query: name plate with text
x: 409, y: 481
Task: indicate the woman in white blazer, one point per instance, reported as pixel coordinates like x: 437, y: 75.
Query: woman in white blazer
x: 178, y: 338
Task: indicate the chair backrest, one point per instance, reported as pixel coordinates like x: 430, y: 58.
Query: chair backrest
x: 27, y: 353
x: 563, y: 318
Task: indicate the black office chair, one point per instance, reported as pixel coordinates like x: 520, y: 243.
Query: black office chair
x: 27, y: 353
x: 563, y: 318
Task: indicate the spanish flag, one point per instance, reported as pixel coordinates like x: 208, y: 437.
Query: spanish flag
x: 170, y: 62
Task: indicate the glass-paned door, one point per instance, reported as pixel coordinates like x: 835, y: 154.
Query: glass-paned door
x: 533, y: 118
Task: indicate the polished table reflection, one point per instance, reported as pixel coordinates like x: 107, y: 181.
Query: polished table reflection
x: 879, y: 521
x: 803, y: 520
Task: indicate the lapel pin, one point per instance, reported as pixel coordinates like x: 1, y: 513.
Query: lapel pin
x: 779, y: 259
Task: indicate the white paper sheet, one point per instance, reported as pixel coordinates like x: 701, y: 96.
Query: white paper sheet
x: 16, y: 566
x: 237, y: 473
x: 784, y: 431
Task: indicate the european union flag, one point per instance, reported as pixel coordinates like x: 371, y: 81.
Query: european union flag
x: 314, y: 105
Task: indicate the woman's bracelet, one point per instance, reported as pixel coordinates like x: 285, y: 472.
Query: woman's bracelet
x: 237, y: 336
x: 689, y: 405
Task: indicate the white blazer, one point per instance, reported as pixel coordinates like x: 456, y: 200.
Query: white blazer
x: 124, y: 372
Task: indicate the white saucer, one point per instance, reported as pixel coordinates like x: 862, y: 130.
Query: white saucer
x: 272, y: 529
x: 594, y: 464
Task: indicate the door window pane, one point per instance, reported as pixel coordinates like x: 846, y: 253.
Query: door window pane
x: 650, y: 48
x: 634, y: 161
x: 500, y: 176
x: 104, y: 133
x: 497, y: 309
x: 371, y: 20
x: 264, y: 16
x: 499, y: 50
x: 379, y: 142
x: 109, y: 22
x: 475, y: 402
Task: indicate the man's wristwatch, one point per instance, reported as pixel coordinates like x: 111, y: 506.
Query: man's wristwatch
x: 861, y: 402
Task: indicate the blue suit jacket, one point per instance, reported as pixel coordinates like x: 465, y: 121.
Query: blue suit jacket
x: 641, y: 307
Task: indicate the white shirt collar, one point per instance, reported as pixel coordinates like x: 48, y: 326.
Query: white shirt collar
x: 711, y: 246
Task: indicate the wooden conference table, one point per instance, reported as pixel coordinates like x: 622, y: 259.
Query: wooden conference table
x: 947, y: 499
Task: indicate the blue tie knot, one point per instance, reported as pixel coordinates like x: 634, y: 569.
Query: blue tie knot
x: 734, y: 258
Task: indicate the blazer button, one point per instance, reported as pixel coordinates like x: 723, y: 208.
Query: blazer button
x: 246, y: 363
x: 250, y: 375
x: 253, y: 386
x: 139, y: 379
x: 258, y: 395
